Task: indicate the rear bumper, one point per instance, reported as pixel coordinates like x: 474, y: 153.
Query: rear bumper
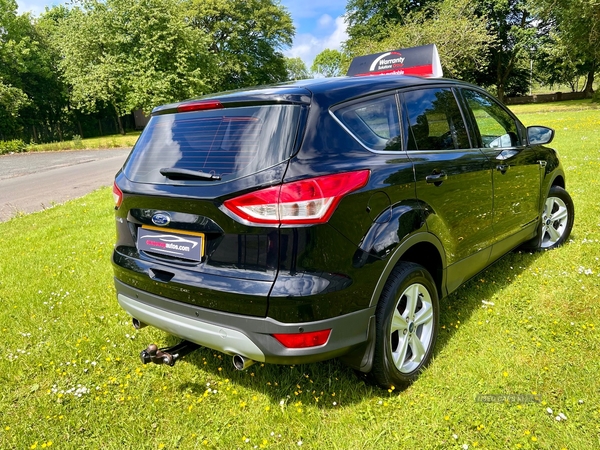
x: 244, y: 335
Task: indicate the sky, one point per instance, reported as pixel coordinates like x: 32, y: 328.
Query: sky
x: 319, y: 24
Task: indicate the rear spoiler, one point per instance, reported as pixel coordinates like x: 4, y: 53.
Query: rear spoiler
x: 422, y: 61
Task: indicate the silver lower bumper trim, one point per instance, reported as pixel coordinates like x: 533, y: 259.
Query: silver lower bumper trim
x: 223, y: 339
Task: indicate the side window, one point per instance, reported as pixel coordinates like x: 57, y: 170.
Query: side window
x: 435, y: 121
x: 373, y: 122
x: 496, y: 127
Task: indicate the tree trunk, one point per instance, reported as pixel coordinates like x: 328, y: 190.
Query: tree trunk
x: 500, y: 92
x: 81, y: 129
x: 35, y: 136
x: 120, y: 124
x: 100, y: 127
x: 589, y: 85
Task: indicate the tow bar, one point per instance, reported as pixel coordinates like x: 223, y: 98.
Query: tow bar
x: 167, y: 355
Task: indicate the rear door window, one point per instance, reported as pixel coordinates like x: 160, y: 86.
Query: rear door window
x: 435, y: 120
x: 230, y: 142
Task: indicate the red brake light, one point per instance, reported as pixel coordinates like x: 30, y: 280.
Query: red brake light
x: 199, y: 105
x: 303, y: 340
x: 117, y: 195
x: 310, y: 201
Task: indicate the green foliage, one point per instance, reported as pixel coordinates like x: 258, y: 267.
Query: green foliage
x: 132, y: 54
x: 461, y: 37
x: 483, y: 41
x: 596, y: 96
x: 516, y: 31
x: 17, y: 54
x: 296, y: 69
x: 573, y: 47
x: 77, y: 141
x: 246, y: 38
x: 13, y: 146
x: 370, y: 19
x: 111, y: 141
x: 329, y: 63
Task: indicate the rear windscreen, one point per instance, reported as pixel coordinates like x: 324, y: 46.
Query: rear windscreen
x: 226, y: 142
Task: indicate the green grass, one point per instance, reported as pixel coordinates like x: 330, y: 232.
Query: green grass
x: 111, y: 141
x: 528, y: 327
x: 554, y: 107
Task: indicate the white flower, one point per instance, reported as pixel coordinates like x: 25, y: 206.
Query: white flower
x: 562, y: 416
x: 549, y: 410
x: 299, y: 443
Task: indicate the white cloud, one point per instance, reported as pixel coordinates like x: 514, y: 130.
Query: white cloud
x: 325, y: 21
x: 36, y: 7
x: 306, y: 46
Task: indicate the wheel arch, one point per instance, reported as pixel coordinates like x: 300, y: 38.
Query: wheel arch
x: 422, y: 248
x: 559, y: 180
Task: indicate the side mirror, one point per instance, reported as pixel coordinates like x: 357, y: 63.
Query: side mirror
x: 538, y: 135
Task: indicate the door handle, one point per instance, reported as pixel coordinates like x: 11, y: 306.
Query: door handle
x: 502, y: 168
x: 436, y: 178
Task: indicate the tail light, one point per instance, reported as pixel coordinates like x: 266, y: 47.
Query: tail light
x: 310, y: 201
x: 303, y: 340
x: 199, y: 105
x: 117, y: 195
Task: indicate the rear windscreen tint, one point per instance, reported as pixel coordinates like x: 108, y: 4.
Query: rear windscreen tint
x: 226, y: 142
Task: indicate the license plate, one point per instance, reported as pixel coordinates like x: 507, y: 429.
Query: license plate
x: 180, y: 244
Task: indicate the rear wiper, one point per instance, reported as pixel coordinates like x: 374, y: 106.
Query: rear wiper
x: 185, y: 174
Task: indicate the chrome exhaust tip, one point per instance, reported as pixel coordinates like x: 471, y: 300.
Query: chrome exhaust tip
x: 137, y: 324
x: 242, y: 363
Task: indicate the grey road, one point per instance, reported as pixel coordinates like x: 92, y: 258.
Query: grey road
x: 34, y: 181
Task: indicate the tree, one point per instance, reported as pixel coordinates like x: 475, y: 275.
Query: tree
x: 296, y: 69
x: 132, y: 54
x: 12, y: 54
x: 246, y: 38
x: 328, y: 63
x: 516, y: 31
x: 575, y: 40
x: 372, y: 18
x: 460, y: 35
x: 485, y: 41
x: 30, y: 89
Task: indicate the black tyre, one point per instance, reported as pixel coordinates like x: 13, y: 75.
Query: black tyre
x: 556, y: 221
x: 407, y: 319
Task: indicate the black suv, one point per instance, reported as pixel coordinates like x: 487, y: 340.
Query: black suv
x: 325, y: 218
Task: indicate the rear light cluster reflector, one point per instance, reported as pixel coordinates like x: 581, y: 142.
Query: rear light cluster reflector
x: 117, y: 195
x: 303, y: 340
x: 310, y: 201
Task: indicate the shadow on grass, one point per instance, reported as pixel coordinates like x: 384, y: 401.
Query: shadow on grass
x: 331, y: 384
x: 471, y: 296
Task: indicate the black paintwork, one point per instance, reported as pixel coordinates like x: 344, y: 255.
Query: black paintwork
x: 485, y: 205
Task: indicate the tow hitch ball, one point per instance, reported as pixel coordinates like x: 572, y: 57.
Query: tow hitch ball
x: 167, y: 355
